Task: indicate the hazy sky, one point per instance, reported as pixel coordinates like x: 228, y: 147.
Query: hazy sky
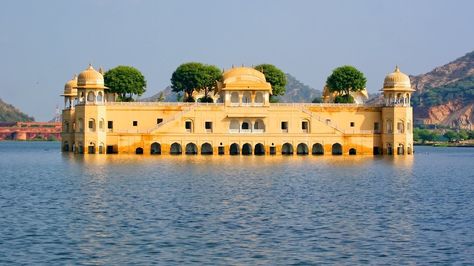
x: 43, y: 43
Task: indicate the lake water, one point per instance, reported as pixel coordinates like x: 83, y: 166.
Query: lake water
x: 273, y: 210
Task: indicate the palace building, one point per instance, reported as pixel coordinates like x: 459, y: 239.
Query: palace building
x: 242, y: 121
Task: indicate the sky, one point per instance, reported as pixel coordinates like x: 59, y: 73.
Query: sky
x: 44, y: 43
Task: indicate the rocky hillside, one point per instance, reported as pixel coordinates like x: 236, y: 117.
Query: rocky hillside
x: 445, y: 95
x: 8, y: 113
x: 295, y: 92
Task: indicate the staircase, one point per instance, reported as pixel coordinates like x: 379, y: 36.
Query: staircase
x: 184, y: 111
x: 324, y: 121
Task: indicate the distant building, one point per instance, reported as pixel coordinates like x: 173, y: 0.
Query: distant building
x: 242, y: 121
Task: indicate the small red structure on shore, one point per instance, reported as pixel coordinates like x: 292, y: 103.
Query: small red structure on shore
x: 30, y: 130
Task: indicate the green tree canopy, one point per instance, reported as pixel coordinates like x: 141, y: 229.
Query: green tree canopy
x: 126, y: 81
x: 275, y: 77
x: 344, y: 80
x: 194, y: 76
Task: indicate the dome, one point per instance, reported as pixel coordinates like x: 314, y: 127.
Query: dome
x: 243, y: 74
x: 397, y: 80
x: 90, y: 79
x: 70, y: 87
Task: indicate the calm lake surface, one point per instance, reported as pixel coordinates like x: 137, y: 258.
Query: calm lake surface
x: 273, y: 210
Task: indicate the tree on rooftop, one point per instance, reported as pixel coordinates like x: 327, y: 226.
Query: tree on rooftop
x: 194, y: 76
x: 344, y: 80
x: 126, y: 81
x: 275, y: 77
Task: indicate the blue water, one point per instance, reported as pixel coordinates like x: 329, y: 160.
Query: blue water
x: 273, y: 210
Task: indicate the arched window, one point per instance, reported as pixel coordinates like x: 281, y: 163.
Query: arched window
x: 90, y: 96
x: 234, y: 126
x: 389, y: 126
x: 101, y: 148
x: 206, y: 149
x: 99, y: 97
x: 246, y: 126
x: 259, y: 126
x: 259, y: 149
x: 400, y: 127
x: 234, y: 98
x: 317, y: 149
x: 191, y: 148
x: 247, y: 149
x: 155, y: 148
x: 91, y: 125
x: 302, y: 149
x: 259, y: 98
x: 66, y: 126
x: 336, y: 149
x: 101, y: 124
x: 246, y: 100
x: 80, y: 125
x: 175, y: 148
x: 234, y: 149
x: 389, y: 149
x: 287, y: 149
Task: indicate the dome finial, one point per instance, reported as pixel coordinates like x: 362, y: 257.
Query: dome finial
x: 397, y: 69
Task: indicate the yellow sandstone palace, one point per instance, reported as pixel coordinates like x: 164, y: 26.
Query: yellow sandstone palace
x: 242, y: 121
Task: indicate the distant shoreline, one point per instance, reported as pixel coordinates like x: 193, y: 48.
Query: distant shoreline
x: 445, y: 144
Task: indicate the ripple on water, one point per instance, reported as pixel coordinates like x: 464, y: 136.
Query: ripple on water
x: 68, y: 209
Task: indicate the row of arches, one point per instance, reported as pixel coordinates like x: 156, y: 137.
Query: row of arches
x: 247, y: 149
x: 246, y: 98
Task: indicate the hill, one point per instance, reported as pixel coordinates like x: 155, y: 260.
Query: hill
x: 8, y: 113
x: 445, y: 95
x: 295, y: 92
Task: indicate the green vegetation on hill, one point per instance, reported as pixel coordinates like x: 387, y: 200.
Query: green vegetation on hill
x: 297, y: 92
x: 423, y: 135
x: 462, y: 90
x: 8, y: 113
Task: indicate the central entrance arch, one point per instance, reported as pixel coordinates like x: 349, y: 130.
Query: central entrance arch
x: 302, y: 149
x: 206, y: 149
x: 191, y: 149
x: 234, y: 149
x: 247, y: 149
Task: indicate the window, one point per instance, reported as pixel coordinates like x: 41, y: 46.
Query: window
x: 400, y: 128
x: 135, y: 123
x: 101, y: 124
x: 304, y: 125
x: 284, y: 126
x: 376, y: 126
x: 188, y: 125
x: 159, y: 120
x: 208, y: 126
x: 110, y: 124
x: 352, y: 124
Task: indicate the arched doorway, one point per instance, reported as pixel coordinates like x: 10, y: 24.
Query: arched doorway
x: 389, y: 149
x: 234, y: 98
x: 409, y: 151
x: 259, y: 126
x: 234, y: 149
x: 91, y: 148
x: 139, y: 150
x: 247, y: 149
x: 206, y: 149
x: 401, y: 149
x: 287, y: 149
x: 302, y: 149
x: 65, y: 146
x: 234, y: 126
x: 246, y: 100
x: 259, y: 98
x: 317, y: 149
x: 352, y: 151
x: 191, y: 149
x: 155, y: 148
x: 259, y: 149
x: 336, y: 149
x: 175, y: 148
